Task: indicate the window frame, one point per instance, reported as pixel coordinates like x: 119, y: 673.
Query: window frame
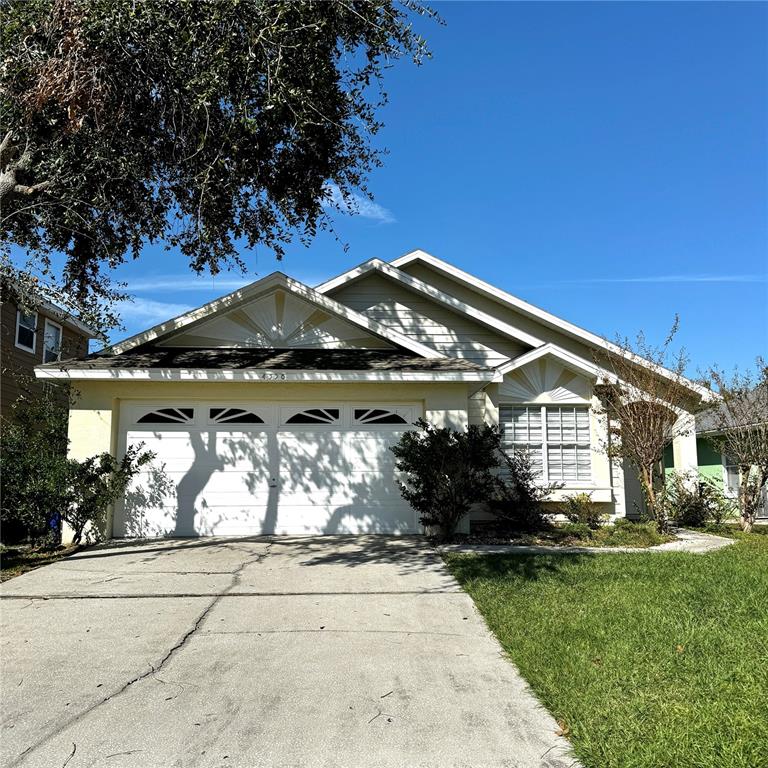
x: 728, y: 490
x: 545, y: 444
x: 291, y: 412
x: 54, y: 324
x: 31, y: 349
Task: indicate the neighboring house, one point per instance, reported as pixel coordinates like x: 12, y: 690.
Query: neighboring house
x: 45, y: 335
x: 716, y: 466
x: 272, y: 409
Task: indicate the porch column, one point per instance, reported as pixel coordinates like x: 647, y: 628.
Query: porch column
x: 684, y: 445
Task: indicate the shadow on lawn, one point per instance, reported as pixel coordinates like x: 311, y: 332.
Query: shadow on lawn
x: 523, y: 567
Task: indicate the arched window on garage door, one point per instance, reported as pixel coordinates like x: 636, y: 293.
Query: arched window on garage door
x: 377, y: 416
x: 168, y: 416
x: 233, y: 416
x: 315, y: 416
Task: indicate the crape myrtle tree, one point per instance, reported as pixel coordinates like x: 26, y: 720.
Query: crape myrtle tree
x: 642, y: 403
x: 739, y: 424
x: 204, y: 124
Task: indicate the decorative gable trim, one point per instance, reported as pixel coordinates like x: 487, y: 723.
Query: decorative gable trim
x: 568, y: 359
x: 433, y: 293
x: 544, y: 317
x: 547, y: 375
x: 271, y: 282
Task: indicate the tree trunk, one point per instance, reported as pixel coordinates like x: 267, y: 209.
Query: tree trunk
x: 646, y: 481
x: 749, y: 498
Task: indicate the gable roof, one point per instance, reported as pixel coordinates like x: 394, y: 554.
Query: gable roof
x: 434, y: 293
x: 568, y: 359
x: 513, y: 302
x: 274, y: 281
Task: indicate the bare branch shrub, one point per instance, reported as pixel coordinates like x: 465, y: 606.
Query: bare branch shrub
x: 739, y: 428
x: 643, y: 392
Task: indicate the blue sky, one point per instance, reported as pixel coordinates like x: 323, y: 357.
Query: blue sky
x: 607, y: 162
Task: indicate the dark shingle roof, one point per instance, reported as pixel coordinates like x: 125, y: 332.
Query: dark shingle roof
x: 150, y: 357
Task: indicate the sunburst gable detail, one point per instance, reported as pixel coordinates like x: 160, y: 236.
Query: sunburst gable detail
x: 545, y: 381
x: 277, y: 319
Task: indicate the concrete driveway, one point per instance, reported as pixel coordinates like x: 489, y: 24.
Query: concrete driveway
x: 332, y: 651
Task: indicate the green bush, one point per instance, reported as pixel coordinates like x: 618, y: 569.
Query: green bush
x: 578, y: 530
x: 446, y: 471
x: 41, y: 487
x: 695, y: 501
x: 95, y: 484
x: 517, y: 502
x: 579, y: 508
x: 34, y: 469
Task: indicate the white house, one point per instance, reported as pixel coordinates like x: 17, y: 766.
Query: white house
x: 271, y: 409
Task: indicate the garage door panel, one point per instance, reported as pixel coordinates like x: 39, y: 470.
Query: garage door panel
x: 213, y: 479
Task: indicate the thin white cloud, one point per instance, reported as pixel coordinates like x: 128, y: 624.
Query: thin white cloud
x: 186, y: 282
x: 144, y: 313
x: 675, y: 279
x: 357, y: 205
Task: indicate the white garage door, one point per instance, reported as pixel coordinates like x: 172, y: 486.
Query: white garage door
x: 247, y: 468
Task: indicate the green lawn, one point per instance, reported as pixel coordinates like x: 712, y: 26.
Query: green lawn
x: 649, y: 660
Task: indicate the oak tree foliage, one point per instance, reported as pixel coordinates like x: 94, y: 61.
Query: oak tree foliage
x: 204, y: 124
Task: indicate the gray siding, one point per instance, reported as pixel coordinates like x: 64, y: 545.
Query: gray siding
x: 448, y: 285
x: 419, y: 318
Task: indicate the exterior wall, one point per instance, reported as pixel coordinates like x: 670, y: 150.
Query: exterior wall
x: 94, y: 423
x: 710, y: 462
x: 420, y: 318
x: 492, y: 307
x: 17, y: 376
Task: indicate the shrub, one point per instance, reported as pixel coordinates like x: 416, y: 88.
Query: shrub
x: 446, y: 471
x: 577, y: 530
x: 695, y: 501
x: 34, y: 468
x: 579, y: 508
x: 41, y: 486
x: 517, y: 502
x: 96, y: 483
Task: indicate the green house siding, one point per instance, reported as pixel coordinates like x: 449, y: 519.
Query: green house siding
x: 708, y: 457
x: 710, y: 461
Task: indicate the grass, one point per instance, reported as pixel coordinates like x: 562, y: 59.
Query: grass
x: 646, y: 660
x: 17, y: 560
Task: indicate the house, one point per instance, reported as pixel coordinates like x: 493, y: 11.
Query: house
x: 30, y: 338
x: 715, y: 465
x: 271, y: 409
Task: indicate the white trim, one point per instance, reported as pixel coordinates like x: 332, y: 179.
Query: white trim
x: 568, y: 359
x: 377, y: 265
x: 48, y: 322
x: 67, y: 319
x: 543, y: 316
x: 546, y: 443
x: 203, y: 374
x: 30, y: 350
x: 274, y: 280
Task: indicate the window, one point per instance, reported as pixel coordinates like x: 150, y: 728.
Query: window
x: 168, y: 416
x: 731, y: 476
x: 556, y: 438
x: 377, y: 416
x: 26, y: 330
x: 233, y: 416
x: 315, y: 416
x: 51, y: 342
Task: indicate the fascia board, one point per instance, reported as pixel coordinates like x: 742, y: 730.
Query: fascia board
x: 543, y: 316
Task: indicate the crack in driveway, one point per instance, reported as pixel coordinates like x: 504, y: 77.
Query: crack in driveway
x: 153, y: 669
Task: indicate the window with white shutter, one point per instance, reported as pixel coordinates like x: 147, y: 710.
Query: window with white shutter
x: 556, y: 438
